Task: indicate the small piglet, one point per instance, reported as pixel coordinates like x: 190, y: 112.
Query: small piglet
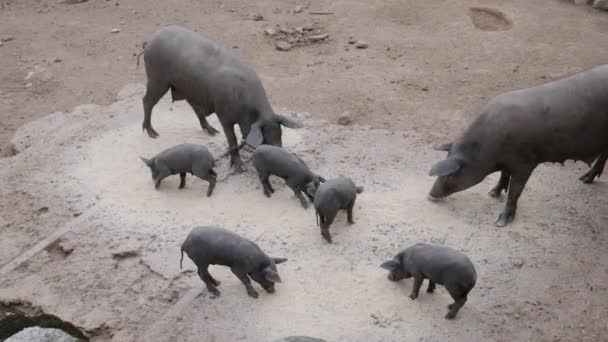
x: 440, y: 265
x: 272, y: 160
x: 182, y: 159
x: 332, y: 196
x: 216, y: 246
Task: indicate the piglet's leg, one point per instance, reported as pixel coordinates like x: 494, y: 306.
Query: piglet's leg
x: 244, y: 278
x: 503, y: 184
x: 182, y: 180
x: 431, y: 287
x: 596, y: 170
x: 203, y: 273
x: 418, y: 279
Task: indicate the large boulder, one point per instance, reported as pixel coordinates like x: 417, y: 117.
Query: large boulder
x: 37, y: 334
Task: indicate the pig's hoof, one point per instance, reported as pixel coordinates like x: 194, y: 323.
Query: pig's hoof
x: 304, y: 205
x: 504, y: 219
x: 430, y: 290
x: 350, y: 222
x: 450, y: 315
x: 253, y: 294
x: 152, y: 133
x: 495, y: 193
x: 413, y: 296
x: 181, y: 187
x: 587, y: 179
x: 210, y: 130
x: 434, y: 199
x: 215, y: 292
x: 450, y: 306
x: 327, y: 238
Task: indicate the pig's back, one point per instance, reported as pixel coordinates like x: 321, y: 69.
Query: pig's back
x: 216, y: 246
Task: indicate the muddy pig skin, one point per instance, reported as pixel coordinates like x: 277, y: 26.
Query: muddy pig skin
x: 217, y: 246
x: 271, y: 160
x: 212, y: 79
x: 515, y: 132
x: 181, y: 159
x: 441, y: 266
x: 331, y: 197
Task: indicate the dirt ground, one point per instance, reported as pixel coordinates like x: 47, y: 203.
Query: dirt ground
x: 429, y: 67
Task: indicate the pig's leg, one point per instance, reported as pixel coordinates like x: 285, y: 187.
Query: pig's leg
x: 264, y: 179
x: 503, y: 184
x: 161, y: 175
x: 326, y: 221
x: 418, y: 279
x: 431, y: 287
x: 298, y: 192
x: 202, y: 172
x: 182, y: 180
x: 201, y: 114
x: 596, y: 170
x: 349, y: 212
x: 235, y: 159
x: 203, y: 273
x: 518, y: 181
x: 154, y: 92
x: 244, y: 278
x: 459, y: 300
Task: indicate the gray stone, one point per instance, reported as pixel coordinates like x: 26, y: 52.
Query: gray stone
x: 257, y: 17
x: 361, y: 45
x: 37, y: 334
x: 298, y: 9
x: 345, y: 118
x: 282, y: 45
x: 7, y: 38
x: 270, y: 31
x: 319, y: 37
x: 115, y: 30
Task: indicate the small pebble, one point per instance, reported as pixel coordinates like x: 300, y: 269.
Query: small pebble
x: 519, y: 263
x: 319, y: 37
x: 297, y: 9
x: 270, y: 31
x: 57, y: 60
x: 282, y: 45
x: 352, y: 40
x: 29, y: 85
x: 299, y: 30
x: 345, y: 119
x: 7, y: 38
x: 361, y: 45
x: 257, y: 17
x: 286, y: 30
x: 115, y: 30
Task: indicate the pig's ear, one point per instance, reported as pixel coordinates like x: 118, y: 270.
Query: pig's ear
x: 444, y: 147
x: 446, y: 167
x: 255, y: 137
x: 279, y: 260
x: 147, y: 161
x: 271, y: 276
x: 390, y: 265
x: 287, y: 122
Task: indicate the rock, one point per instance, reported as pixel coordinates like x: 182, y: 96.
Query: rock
x: 286, y: 31
x: 270, y: 31
x: 7, y: 38
x: 1, y: 43
x: 318, y: 37
x: 299, y: 30
x: 519, y: 262
x: 29, y: 85
x: 601, y: 5
x: 257, y: 17
x: 115, y: 30
x: 37, y: 334
x: 57, y: 60
x: 308, y: 27
x: 361, y: 44
x: 345, y: 119
x: 352, y: 40
x: 282, y: 45
x: 298, y: 9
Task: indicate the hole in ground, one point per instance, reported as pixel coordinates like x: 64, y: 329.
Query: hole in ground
x: 13, y: 320
x: 489, y: 19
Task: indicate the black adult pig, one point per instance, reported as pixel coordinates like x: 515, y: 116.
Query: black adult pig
x: 182, y: 159
x: 212, y: 79
x: 272, y: 160
x: 217, y: 246
x: 516, y: 131
x: 440, y: 265
x: 332, y: 196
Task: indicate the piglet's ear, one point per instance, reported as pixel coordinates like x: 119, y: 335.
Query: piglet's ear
x: 271, y: 275
x: 279, y: 260
x: 287, y: 122
x: 446, y: 167
x: 147, y: 161
x: 390, y: 265
x: 255, y: 137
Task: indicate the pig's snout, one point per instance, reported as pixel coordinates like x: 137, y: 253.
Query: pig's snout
x: 439, y: 191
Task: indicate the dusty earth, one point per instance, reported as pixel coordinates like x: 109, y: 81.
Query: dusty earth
x: 108, y: 244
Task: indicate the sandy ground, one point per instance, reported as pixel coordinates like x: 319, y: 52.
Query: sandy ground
x: 115, y: 272
x: 429, y: 67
